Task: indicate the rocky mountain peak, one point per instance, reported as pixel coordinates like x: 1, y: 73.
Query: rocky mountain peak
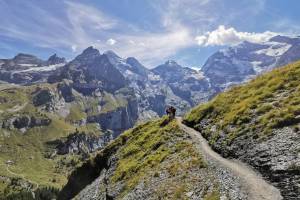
x: 168, y: 68
x: 281, y: 39
x: 113, y: 57
x: 90, y: 50
x: 23, y: 58
x: 132, y: 60
x: 136, y: 66
x: 23, y: 55
x: 172, y: 63
x: 112, y: 54
x: 88, y: 55
x: 241, y: 62
x: 54, y: 59
x: 129, y: 67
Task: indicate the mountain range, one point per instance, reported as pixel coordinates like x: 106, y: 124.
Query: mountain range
x: 91, y: 73
x: 58, y: 113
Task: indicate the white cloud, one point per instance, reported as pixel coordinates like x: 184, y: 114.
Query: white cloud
x: 74, y: 47
x: 111, y: 41
x: 83, y: 25
x: 79, y: 25
x: 230, y: 36
x: 79, y: 14
x: 131, y: 42
x: 151, y: 48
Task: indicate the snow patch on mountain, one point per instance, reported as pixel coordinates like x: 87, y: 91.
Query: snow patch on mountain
x: 42, y: 69
x: 256, y: 66
x: 28, y: 65
x: 242, y: 62
x: 275, y: 49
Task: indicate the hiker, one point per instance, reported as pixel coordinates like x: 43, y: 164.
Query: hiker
x: 171, y: 112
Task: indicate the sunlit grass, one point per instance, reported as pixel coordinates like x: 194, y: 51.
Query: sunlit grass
x: 267, y: 102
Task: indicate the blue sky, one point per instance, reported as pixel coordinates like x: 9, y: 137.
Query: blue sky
x: 153, y: 31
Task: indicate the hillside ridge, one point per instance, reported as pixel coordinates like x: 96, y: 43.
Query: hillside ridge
x: 258, y: 123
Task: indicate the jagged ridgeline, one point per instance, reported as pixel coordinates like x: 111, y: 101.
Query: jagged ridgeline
x: 258, y: 123
x: 155, y: 160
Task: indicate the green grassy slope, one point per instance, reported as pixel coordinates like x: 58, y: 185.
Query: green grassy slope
x: 143, y: 155
x: 268, y: 102
x: 28, y: 151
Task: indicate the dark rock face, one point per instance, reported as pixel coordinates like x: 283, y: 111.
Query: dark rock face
x: 117, y: 120
x: 65, y: 90
x: 90, y: 71
x: 87, y: 173
x: 278, y: 160
x: 136, y: 66
x: 26, y: 59
x: 26, y: 122
x: 171, y: 71
x: 186, y: 83
x: 87, y: 56
x: 81, y: 143
x: 104, y: 71
x: 19, y: 78
x: 157, y: 104
x: 276, y: 157
x: 47, y: 99
x: 54, y: 59
x: 42, y: 97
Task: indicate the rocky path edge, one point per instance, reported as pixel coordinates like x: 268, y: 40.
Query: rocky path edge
x: 257, y: 188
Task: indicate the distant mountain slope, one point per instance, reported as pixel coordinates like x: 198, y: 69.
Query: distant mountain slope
x: 27, y: 122
x: 26, y: 69
x: 186, y: 83
x: 241, y: 62
x: 258, y: 123
x: 167, y: 84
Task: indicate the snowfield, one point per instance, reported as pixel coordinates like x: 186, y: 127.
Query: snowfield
x: 42, y: 69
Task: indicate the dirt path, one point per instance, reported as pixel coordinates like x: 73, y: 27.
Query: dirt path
x: 4, y: 86
x: 23, y: 177
x: 16, y: 108
x: 257, y: 188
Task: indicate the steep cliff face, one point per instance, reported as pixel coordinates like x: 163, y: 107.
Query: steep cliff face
x: 258, y: 123
x: 82, y: 143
